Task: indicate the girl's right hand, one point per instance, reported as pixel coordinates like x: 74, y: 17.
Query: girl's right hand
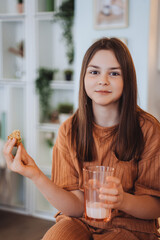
x: 21, y: 163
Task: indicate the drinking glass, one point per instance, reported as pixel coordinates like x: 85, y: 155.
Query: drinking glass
x: 94, y: 177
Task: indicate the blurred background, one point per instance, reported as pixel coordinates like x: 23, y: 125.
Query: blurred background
x: 42, y: 44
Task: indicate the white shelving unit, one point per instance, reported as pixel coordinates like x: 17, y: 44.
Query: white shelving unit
x: 12, y: 98
x: 20, y: 109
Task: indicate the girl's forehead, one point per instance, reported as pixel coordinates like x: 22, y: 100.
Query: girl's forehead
x: 104, y: 57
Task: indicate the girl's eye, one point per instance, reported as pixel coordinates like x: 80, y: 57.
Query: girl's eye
x: 114, y: 74
x: 94, y: 72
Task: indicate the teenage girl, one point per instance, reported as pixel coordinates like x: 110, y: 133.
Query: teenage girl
x: 108, y: 129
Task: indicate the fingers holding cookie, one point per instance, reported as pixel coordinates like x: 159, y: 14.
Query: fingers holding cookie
x: 14, y: 140
x: 17, y: 136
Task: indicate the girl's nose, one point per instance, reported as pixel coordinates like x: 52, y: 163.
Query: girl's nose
x: 104, y: 80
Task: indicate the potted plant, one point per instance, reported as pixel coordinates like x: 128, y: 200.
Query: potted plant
x: 65, y: 111
x: 43, y: 87
x: 20, y: 6
x: 65, y: 16
x: 68, y: 74
x: 49, y: 139
x: 49, y: 5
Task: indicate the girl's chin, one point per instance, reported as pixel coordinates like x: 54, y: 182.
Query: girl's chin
x: 106, y: 103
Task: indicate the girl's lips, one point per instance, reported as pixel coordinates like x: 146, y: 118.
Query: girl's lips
x: 103, y: 91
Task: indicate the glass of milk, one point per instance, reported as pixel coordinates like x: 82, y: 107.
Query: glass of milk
x: 94, y: 177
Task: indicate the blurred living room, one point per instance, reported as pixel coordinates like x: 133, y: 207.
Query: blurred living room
x: 42, y: 44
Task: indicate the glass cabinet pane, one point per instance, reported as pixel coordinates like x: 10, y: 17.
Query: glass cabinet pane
x: 45, y: 5
x: 3, y: 113
x: 59, y: 96
x: 12, y: 189
x: 9, y: 7
x: 50, y: 46
x: 45, y: 142
x: 13, y: 46
x: 16, y: 114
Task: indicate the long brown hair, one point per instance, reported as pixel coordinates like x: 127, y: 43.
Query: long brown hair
x: 128, y: 141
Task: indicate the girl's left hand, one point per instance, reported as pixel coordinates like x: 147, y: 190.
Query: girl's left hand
x: 113, y: 196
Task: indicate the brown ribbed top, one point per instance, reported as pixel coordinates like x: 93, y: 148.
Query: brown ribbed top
x: 136, y: 178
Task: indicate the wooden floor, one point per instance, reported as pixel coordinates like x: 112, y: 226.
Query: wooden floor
x: 19, y: 227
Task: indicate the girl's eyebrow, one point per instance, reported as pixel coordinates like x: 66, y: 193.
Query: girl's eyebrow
x: 94, y: 66
x: 112, y: 68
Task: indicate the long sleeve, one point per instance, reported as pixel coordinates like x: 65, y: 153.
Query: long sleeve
x: 148, y: 181
x: 65, y: 170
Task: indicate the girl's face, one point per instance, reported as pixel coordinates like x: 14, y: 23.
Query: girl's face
x: 103, y: 79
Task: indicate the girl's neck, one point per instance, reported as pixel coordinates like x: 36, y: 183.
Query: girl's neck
x: 106, y: 116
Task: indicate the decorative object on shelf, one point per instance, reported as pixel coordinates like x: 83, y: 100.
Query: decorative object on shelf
x: 49, y: 139
x: 19, y: 69
x: 19, y: 63
x: 49, y: 5
x: 65, y: 16
x: 54, y: 116
x: 43, y: 87
x: 68, y: 73
x: 20, y: 6
x: 110, y: 14
x: 19, y: 50
x: 65, y: 111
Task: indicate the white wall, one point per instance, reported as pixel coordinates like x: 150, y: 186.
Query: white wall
x: 137, y: 35
x: 154, y: 61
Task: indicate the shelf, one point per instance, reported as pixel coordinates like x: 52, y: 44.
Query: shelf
x: 12, y: 82
x: 45, y: 16
x: 12, y: 17
x: 48, y: 127
x: 35, y: 34
x: 13, y: 66
x: 67, y: 85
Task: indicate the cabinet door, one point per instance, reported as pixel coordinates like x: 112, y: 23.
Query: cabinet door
x: 45, y: 142
x: 12, y: 116
x: 46, y: 5
x: 12, y: 189
x: 13, y: 63
x: 8, y: 7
